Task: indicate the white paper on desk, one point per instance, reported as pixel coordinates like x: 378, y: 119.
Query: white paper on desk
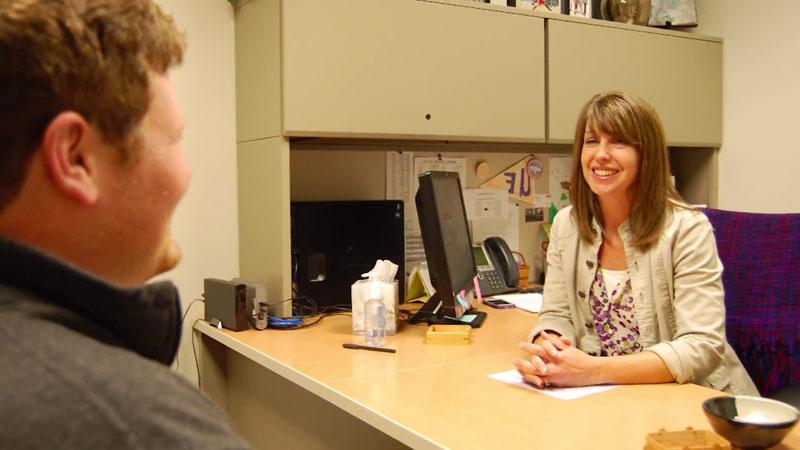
x: 527, y: 302
x: 569, y: 393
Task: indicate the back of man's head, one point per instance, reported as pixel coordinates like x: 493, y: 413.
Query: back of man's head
x: 92, y: 57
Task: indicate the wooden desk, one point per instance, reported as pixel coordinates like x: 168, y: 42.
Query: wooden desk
x: 301, y: 389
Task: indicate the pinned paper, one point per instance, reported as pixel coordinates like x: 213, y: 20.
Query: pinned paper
x: 560, y: 174
x: 491, y: 214
x: 516, y: 180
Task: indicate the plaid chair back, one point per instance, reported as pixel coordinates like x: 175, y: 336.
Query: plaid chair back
x: 761, y: 257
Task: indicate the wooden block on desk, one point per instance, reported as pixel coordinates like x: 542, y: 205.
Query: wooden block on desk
x: 690, y: 439
x: 449, y: 334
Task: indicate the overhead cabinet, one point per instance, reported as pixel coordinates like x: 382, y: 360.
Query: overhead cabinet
x: 411, y: 69
x: 431, y: 69
x: 681, y: 76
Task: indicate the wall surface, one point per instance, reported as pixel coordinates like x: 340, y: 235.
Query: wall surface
x: 760, y: 154
x: 205, y: 223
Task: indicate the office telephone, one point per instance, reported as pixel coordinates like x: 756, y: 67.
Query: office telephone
x: 497, y: 269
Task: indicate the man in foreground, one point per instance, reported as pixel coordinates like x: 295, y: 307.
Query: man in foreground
x: 91, y: 170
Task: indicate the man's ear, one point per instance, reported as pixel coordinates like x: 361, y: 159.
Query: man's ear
x: 68, y: 152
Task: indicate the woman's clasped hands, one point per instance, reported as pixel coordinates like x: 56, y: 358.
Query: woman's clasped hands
x: 554, y: 361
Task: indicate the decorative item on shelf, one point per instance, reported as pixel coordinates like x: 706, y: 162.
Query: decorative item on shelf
x: 553, y: 6
x: 516, y: 180
x: 535, y: 167
x: 524, y: 4
x: 581, y: 8
x: 482, y: 169
x: 673, y: 13
x: 626, y: 11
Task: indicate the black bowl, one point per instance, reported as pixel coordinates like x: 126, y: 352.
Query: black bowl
x: 750, y: 422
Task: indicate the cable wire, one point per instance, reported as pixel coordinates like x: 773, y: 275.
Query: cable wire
x: 194, y: 352
x: 183, y: 319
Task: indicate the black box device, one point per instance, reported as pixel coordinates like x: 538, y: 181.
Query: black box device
x: 228, y: 302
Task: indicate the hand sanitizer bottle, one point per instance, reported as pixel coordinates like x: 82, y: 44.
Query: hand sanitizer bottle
x: 374, y: 317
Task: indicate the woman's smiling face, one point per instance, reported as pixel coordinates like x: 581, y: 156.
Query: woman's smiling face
x: 610, y: 167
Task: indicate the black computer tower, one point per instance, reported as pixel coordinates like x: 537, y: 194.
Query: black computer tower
x: 334, y: 242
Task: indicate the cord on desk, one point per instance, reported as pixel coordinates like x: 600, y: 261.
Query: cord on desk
x: 183, y: 319
x: 186, y: 313
x: 296, y: 319
x: 194, y: 352
x: 340, y: 308
x: 282, y: 301
x: 322, y: 316
x: 284, y: 322
x: 404, y: 315
x: 298, y: 322
x: 306, y: 307
x: 408, y: 311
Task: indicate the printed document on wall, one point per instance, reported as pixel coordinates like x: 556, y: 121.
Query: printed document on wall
x: 399, y: 180
x: 399, y: 184
x: 428, y: 164
x: 491, y: 214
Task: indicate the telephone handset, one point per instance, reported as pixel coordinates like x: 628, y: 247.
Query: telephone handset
x: 497, y: 269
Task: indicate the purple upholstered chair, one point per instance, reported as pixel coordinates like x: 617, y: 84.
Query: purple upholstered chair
x: 761, y: 257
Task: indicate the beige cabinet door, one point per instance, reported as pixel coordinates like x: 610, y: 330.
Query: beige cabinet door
x: 680, y: 76
x: 411, y: 69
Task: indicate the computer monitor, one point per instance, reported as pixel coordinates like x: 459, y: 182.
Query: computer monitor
x: 448, y: 249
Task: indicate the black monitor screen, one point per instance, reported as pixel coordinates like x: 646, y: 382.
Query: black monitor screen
x: 445, y: 236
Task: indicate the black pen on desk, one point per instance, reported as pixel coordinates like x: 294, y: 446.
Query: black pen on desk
x: 367, y: 347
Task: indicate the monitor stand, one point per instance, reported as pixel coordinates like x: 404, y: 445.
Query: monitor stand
x: 426, y: 314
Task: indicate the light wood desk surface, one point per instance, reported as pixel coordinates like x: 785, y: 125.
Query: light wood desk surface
x: 431, y: 396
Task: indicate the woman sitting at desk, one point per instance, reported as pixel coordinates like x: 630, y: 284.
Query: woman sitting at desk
x: 633, y: 292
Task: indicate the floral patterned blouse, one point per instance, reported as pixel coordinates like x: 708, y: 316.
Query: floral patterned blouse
x: 611, y: 304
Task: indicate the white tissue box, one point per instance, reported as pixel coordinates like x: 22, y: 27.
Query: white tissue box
x: 359, y: 294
